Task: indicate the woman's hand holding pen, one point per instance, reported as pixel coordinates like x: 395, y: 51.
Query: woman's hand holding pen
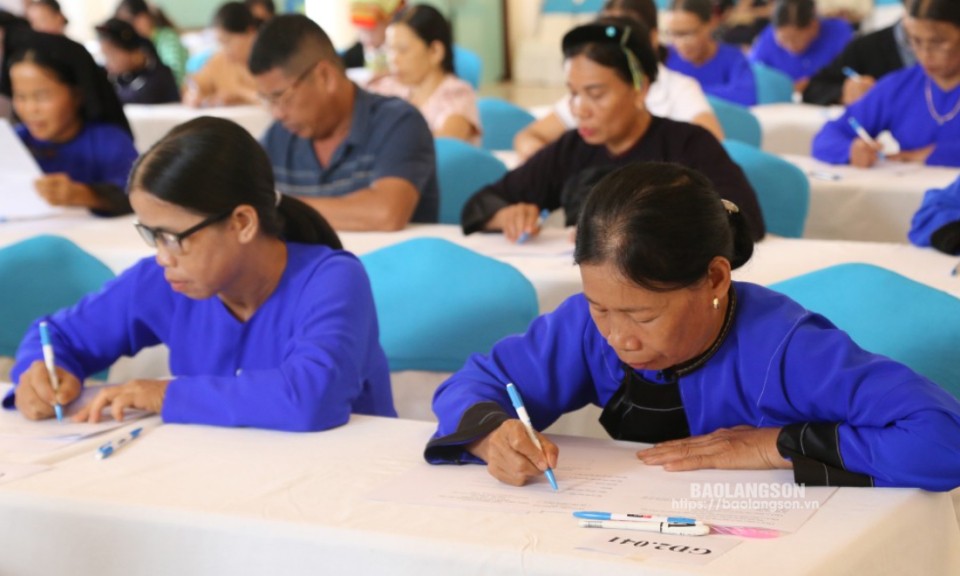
x: 737, y: 448
x: 143, y: 394
x: 516, y: 220
x: 862, y: 154
x: 59, y: 190
x: 511, y: 456
x: 856, y: 88
x: 35, y: 397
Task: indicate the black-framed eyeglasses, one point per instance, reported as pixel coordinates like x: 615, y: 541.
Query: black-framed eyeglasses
x: 280, y: 98
x: 173, y: 241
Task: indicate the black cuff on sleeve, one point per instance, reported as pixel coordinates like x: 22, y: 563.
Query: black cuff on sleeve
x: 815, y: 453
x: 478, y: 421
x: 115, y: 197
x: 947, y: 238
x: 479, y: 209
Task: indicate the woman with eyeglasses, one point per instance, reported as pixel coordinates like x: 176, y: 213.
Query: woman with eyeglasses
x: 269, y: 323
x: 918, y: 105
x: 722, y: 69
x: 609, y: 66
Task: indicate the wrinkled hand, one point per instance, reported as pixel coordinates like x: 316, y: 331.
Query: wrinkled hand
x: 863, y: 155
x: 738, y: 448
x: 516, y: 219
x: 59, y: 190
x: 143, y: 394
x: 511, y: 456
x: 919, y: 155
x: 855, y: 89
x: 35, y: 397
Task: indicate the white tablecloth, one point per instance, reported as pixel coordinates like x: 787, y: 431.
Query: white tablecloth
x: 789, y: 128
x: 151, y: 122
x: 874, y: 204
x: 202, y: 500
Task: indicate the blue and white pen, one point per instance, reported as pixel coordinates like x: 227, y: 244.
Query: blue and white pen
x: 112, y: 446
x: 865, y: 136
x: 525, y: 418
x: 544, y: 214
x: 589, y: 515
x: 50, y: 360
x: 850, y: 73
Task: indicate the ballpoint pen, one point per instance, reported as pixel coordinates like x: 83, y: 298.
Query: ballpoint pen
x: 525, y: 419
x: 850, y: 73
x: 681, y: 529
x: 49, y: 359
x: 865, y: 136
x: 670, y: 525
x: 590, y: 515
x: 106, y: 450
x: 544, y: 214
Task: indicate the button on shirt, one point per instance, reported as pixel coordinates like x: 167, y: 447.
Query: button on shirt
x: 388, y: 139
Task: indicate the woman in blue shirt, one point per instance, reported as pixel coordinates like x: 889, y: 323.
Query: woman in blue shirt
x: 268, y: 322
x: 722, y: 70
x: 918, y: 105
x: 798, y: 43
x: 719, y: 374
x: 72, y: 123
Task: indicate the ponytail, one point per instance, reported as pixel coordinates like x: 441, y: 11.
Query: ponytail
x: 303, y: 224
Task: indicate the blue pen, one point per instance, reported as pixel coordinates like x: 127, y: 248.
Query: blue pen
x: 112, y: 446
x: 525, y: 418
x: 51, y: 362
x: 850, y: 73
x: 865, y: 136
x: 544, y: 214
x: 676, y: 520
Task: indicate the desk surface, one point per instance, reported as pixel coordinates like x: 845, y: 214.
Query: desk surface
x: 200, y: 500
x: 151, y: 122
x: 789, y: 128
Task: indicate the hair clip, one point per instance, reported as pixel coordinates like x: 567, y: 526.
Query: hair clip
x: 730, y: 206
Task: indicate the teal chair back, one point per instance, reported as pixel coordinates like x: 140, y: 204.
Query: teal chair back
x: 501, y: 120
x: 468, y: 66
x: 738, y: 122
x: 783, y: 190
x: 40, y: 276
x: 773, y: 86
x: 438, y: 302
x: 462, y: 169
x: 887, y: 314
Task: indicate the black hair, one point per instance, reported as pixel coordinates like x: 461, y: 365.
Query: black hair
x: 137, y: 7
x: 702, y: 9
x: 609, y: 42
x: 124, y: 36
x: 52, y: 5
x: 212, y: 165
x: 660, y: 225
x: 643, y: 10
x: 290, y: 42
x: 268, y: 4
x: 73, y: 66
x: 236, y: 18
x: 430, y: 26
x: 799, y: 13
x: 940, y: 10
x: 15, y: 31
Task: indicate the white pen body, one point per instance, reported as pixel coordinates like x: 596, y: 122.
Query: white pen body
x: 525, y: 419
x: 658, y: 527
x: 50, y: 363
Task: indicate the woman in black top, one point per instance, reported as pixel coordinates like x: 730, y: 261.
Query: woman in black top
x: 137, y: 74
x: 608, y: 67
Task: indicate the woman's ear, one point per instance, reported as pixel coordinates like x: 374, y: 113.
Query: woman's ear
x: 436, y: 52
x: 246, y: 222
x: 718, y: 276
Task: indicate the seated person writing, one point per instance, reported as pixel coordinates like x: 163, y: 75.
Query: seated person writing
x: 137, y: 74
x: 152, y: 23
x: 672, y: 95
x: 937, y: 222
x: 370, y: 19
x: 268, y: 322
x: 869, y: 57
x: 918, y: 106
x: 608, y: 66
x: 73, y: 124
x: 798, y: 43
x: 715, y: 373
x: 364, y: 161
x: 420, y: 51
x: 224, y: 79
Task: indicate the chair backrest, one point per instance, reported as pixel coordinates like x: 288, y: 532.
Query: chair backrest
x: 439, y: 302
x: 738, y: 122
x: 571, y: 7
x: 41, y: 275
x: 462, y: 169
x: 773, y: 86
x: 887, y: 314
x: 783, y: 190
x: 468, y: 66
x: 501, y: 120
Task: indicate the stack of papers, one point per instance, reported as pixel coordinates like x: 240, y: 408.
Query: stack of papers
x: 18, y: 171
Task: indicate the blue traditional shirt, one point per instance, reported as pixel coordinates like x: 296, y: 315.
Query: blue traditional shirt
x: 727, y: 75
x: 833, y: 37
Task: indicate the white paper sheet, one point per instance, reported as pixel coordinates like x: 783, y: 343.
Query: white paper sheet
x: 611, y: 479
x: 645, y: 545
x: 10, y: 471
x: 18, y: 170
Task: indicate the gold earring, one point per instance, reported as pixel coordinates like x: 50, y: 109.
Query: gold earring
x: 716, y: 303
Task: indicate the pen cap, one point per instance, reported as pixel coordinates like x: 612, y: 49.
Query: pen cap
x: 514, y: 396
x: 44, y: 334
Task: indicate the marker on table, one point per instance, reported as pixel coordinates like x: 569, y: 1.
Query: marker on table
x: 525, y: 418
x: 660, y: 527
x: 865, y: 136
x: 850, y: 73
x: 544, y: 214
x: 112, y: 446
x: 49, y: 359
x: 589, y: 515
